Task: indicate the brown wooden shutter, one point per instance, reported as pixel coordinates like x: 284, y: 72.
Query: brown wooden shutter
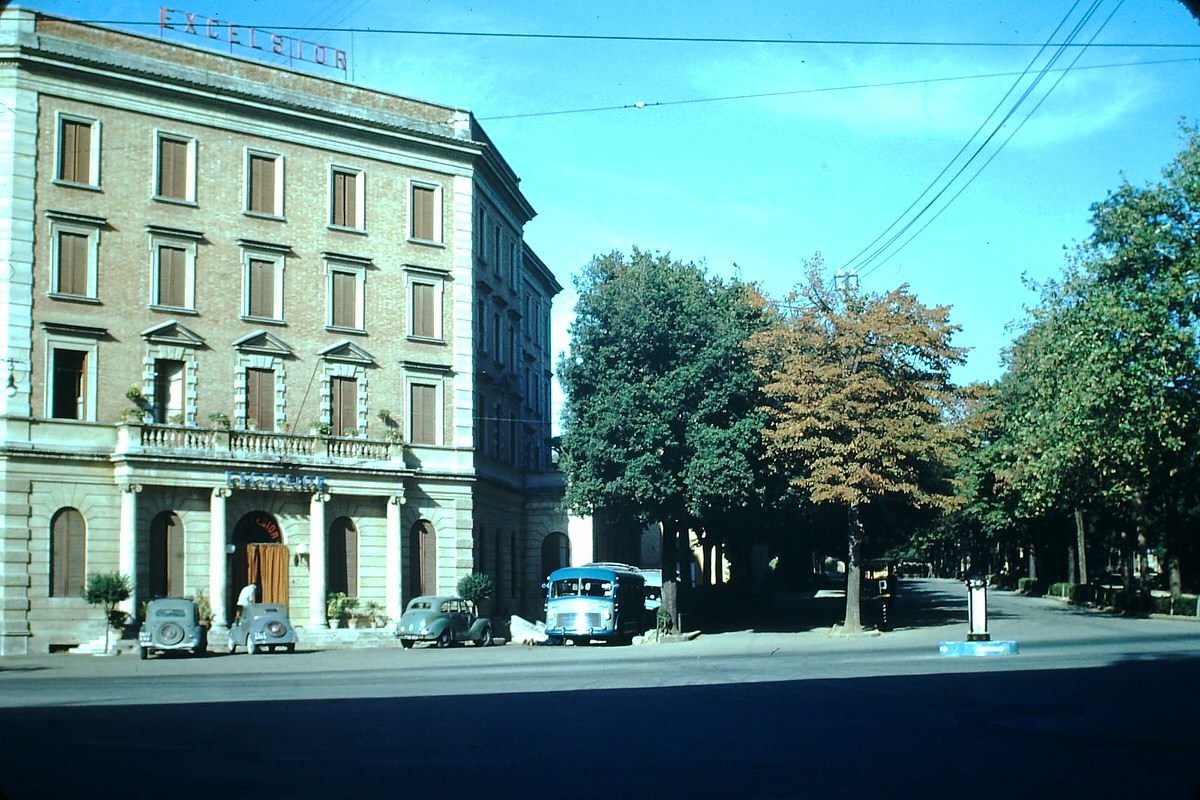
x: 67, y: 556
x: 172, y: 169
x: 260, y: 397
x: 262, y: 288
x: 423, y: 216
x: 423, y: 310
x: 424, y: 413
x: 72, y: 263
x: 345, y: 200
x: 262, y: 185
x: 76, y: 155
x: 345, y: 405
x: 345, y: 300
x: 171, y: 276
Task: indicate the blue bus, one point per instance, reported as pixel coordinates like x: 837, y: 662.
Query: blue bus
x: 595, y: 602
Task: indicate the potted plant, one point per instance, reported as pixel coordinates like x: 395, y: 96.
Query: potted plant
x: 219, y: 420
x: 338, y: 608
x: 321, y: 428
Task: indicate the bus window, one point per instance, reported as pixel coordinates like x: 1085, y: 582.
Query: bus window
x: 567, y: 587
x: 596, y: 588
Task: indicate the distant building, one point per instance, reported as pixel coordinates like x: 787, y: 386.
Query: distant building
x: 260, y: 325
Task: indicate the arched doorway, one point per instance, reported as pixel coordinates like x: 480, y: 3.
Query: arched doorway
x: 259, y: 557
x: 556, y: 553
x: 422, y: 559
x: 341, y: 558
x: 166, y: 555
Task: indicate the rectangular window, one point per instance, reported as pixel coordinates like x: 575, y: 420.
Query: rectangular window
x: 68, y: 390
x: 72, y: 263
x: 344, y: 409
x: 260, y: 398
x: 79, y: 151
x: 264, y: 184
x: 345, y: 300
x: 176, y: 168
x: 172, y: 277
x: 423, y: 416
x: 425, y: 319
x: 426, y: 223
x: 168, y: 390
x: 346, y: 198
x: 261, y: 288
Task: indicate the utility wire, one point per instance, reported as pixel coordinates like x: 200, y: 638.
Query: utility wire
x: 990, y: 158
x: 848, y: 87
x: 859, y: 262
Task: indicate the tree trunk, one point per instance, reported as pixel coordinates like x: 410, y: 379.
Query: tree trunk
x: 1071, y: 564
x: 1032, y: 562
x: 1081, y: 545
x: 1139, y: 505
x: 853, y: 622
x: 1175, y: 574
x: 670, y: 572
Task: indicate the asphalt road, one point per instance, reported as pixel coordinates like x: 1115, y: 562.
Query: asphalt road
x: 1092, y: 706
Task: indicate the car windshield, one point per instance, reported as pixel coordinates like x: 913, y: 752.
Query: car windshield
x: 169, y: 612
x: 419, y: 605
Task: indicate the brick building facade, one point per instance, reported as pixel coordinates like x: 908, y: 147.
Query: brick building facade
x: 256, y: 317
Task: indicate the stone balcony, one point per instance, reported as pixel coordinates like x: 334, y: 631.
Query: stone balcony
x: 134, y: 438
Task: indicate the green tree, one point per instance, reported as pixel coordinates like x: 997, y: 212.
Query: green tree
x: 107, y: 589
x: 660, y: 422
x: 475, y: 587
x: 859, y: 399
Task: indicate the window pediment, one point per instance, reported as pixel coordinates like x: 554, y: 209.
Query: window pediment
x: 265, y: 343
x: 348, y: 352
x: 172, y: 333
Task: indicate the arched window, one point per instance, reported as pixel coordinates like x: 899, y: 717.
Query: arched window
x: 67, y: 544
x: 423, y: 558
x: 166, y: 556
x: 341, y: 558
x: 556, y: 553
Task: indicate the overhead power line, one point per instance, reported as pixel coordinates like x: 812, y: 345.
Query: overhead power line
x: 847, y: 87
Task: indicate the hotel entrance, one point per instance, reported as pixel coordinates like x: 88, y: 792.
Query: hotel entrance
x: 259, y: 557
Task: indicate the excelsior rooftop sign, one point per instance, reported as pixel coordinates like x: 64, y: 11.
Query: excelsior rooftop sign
x: 250, y: 38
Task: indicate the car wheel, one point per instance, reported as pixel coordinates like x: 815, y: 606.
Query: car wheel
x: 407, y: 643
x: 445, y: 639
x: 251, y: 647
x: 291, y: 648
x: 145, y: 653
x: 486, y: 639
x: 199, y: 650
x: 232, y: 645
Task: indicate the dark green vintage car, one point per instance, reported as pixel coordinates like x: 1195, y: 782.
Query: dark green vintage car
x: 444, y: 620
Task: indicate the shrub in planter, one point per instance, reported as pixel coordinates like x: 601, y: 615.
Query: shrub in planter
x: 1030, y: 586
x: 338, y: 607
x: 108, y: 589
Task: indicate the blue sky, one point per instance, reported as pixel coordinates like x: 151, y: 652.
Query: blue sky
x: 768, y: 180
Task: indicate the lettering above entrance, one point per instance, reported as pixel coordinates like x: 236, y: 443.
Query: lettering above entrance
x: 286, y: 481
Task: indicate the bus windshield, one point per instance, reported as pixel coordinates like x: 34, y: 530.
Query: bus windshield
x: 581, y: 587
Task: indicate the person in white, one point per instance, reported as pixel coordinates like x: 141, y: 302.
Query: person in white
x: 246, y: 597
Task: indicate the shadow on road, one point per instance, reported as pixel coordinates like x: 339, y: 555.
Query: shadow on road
x: 1064, y: 733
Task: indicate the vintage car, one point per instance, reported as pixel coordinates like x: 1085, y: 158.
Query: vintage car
x: 443, y: 620
x: 172, y: 624
x: 262, y: 626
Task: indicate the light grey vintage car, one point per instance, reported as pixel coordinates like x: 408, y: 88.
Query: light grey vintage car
x: 172, y: 623
x: 262, y: 626
x: 443, y: 620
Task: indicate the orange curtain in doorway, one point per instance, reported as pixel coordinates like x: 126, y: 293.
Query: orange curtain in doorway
x: 268, y: 568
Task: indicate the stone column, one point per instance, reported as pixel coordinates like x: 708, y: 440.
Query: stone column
x: 316, y: 561
x: 127, y: 547
x: 218, y: 561
x: 394, y: 594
